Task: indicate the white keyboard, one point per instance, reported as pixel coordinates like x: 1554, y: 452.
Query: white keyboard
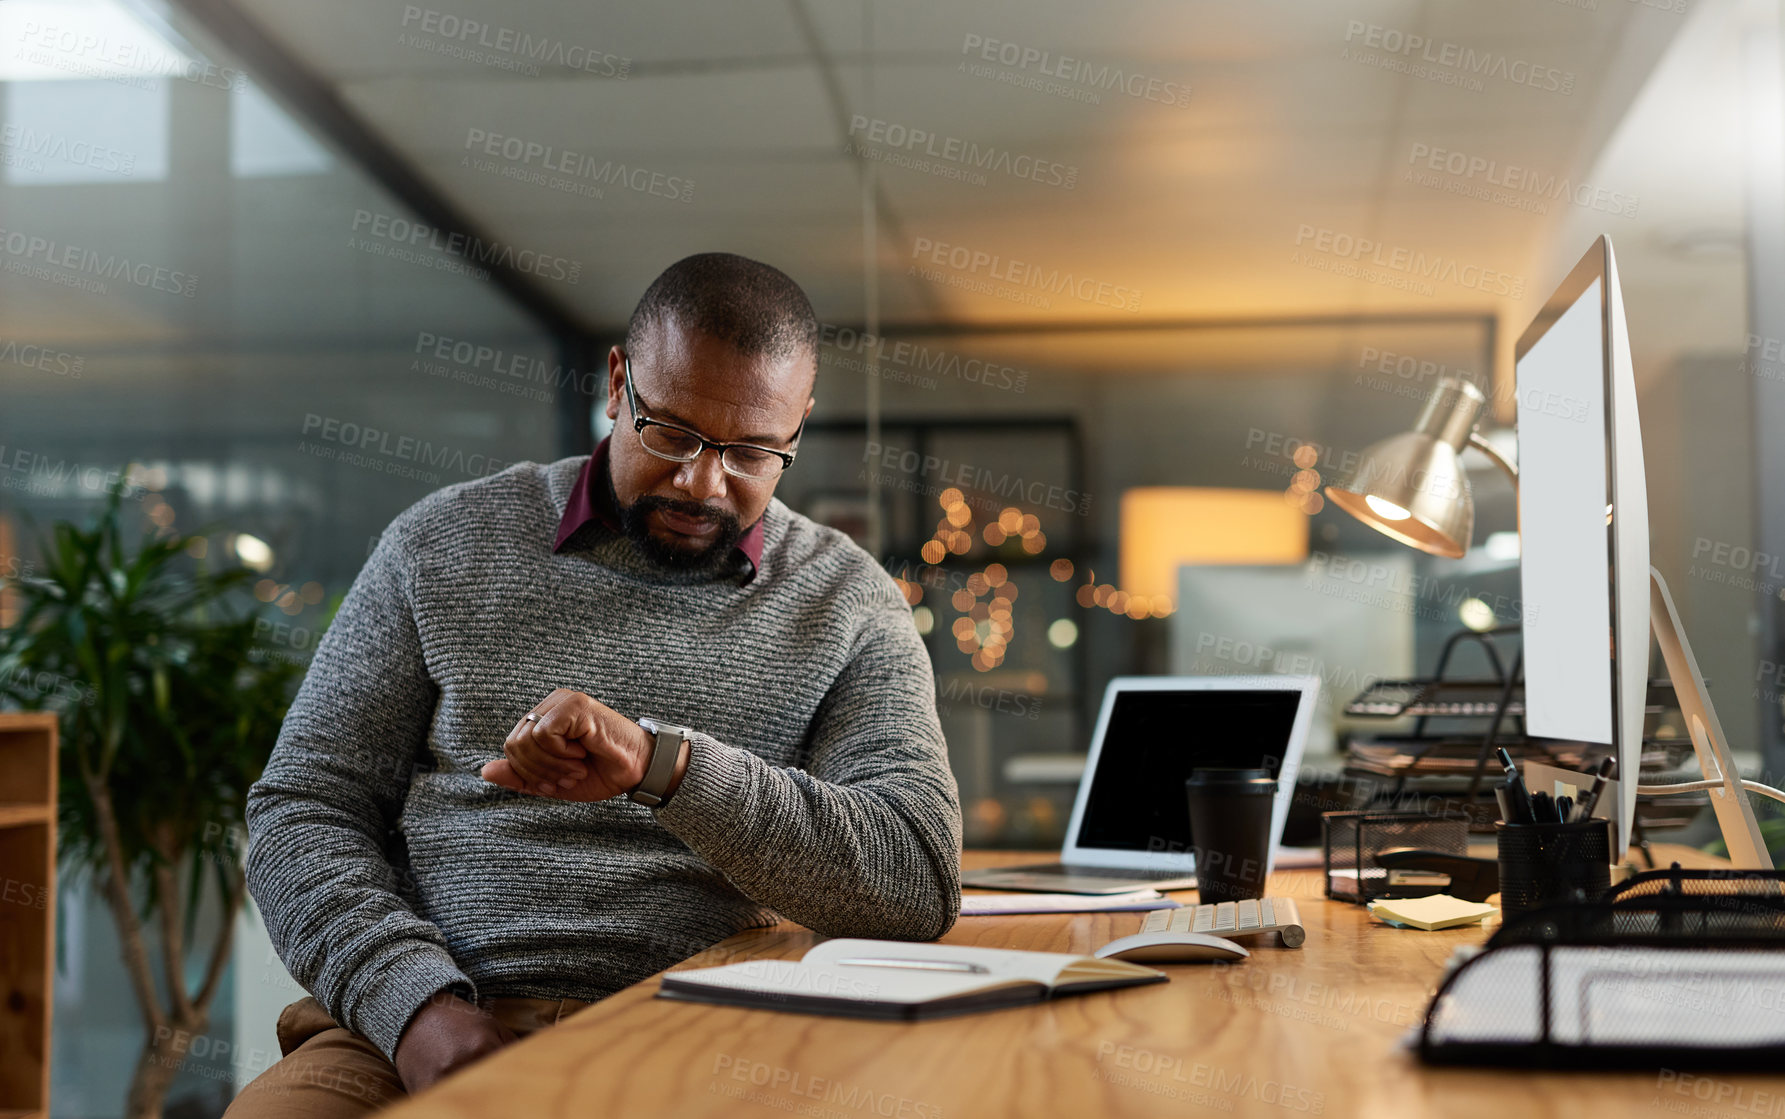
x: 1233, y: 919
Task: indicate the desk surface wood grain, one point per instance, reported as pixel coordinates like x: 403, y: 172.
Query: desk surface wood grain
x: 1309, y: 1031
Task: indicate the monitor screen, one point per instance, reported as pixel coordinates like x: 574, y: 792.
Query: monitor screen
x: 1155, y: 738
x: 1564, y: 560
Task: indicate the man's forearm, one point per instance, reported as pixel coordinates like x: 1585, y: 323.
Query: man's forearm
x: 345, y: 934
x: 317, y: 864
x: 876, y: 857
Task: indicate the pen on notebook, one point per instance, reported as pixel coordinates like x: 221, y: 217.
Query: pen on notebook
x: 915, y: 965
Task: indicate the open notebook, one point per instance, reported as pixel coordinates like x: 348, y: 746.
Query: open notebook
x: 903, y: 980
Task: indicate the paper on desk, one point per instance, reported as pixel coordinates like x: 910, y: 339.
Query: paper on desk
x: 981, y: 905
x: 1439, y: 911
x: 1299, y: 858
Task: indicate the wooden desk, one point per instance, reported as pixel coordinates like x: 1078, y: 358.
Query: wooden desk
x: 1310, y: 1031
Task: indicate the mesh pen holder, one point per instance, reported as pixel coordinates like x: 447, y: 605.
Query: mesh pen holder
x: 1543, y: 864
x: 1353, y: 840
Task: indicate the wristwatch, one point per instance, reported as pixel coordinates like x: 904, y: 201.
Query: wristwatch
x: 650, y: 791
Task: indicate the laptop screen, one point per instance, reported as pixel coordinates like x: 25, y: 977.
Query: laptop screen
x: 1153, y: 741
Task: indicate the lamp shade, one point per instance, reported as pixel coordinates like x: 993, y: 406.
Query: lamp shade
x: 1412, y: 487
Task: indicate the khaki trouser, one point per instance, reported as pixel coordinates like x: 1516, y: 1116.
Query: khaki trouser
x: 330, y: 1072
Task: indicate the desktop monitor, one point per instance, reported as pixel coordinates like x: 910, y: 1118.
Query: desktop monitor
x: 1584, y: 525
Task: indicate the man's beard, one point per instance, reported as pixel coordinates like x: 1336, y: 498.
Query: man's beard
x: 633, y: 521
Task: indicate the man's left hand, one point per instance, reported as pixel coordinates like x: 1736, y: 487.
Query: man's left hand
x: 577, y: 748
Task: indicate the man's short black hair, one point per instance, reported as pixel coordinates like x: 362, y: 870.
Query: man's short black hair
x: 755, y: 308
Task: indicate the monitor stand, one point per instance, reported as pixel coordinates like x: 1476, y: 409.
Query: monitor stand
x: 1729, y: 793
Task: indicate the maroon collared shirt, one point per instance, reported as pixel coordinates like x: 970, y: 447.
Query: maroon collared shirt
x: 589, y: 502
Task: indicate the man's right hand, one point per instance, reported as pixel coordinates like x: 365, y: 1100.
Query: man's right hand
x: 445, y: 1035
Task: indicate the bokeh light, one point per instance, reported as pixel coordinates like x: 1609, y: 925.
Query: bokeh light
x: 1062, y: 633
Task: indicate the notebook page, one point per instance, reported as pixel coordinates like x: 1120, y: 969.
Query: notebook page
x: 772, y: 978
x: 1000, y: 963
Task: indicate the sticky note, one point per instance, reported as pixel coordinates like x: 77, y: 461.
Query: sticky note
x: 1439, y: 911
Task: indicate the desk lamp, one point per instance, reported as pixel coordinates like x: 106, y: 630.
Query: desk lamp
x: 1411, y: 487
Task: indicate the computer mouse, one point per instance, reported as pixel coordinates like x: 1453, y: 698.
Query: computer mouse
x: 1171, y: 948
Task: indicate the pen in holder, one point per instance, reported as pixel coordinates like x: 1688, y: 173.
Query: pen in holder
x: 1541, y: 864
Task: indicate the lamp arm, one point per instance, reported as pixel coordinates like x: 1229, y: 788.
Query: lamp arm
x: 1492, y: 452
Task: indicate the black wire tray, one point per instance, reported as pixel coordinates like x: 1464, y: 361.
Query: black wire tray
x: 1673, y: 968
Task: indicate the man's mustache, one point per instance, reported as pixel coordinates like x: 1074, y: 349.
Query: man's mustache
x: 693, y: 510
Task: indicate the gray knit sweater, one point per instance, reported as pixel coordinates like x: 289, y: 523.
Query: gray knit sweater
x: 818, y: 786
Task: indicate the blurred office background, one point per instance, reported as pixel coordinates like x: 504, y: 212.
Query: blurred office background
x: 1109, y: 292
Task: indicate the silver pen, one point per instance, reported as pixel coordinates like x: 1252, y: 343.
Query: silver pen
x: 915, y: 965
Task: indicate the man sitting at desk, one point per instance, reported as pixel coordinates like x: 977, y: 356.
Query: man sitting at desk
x: 438, y: 899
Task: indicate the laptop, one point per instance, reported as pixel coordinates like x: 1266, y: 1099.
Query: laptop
x: 1130, y: 827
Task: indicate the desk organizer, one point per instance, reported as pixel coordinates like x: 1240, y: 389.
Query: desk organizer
x: 1543, y: 864
x: 1674, y: 969
x: 1352, y: 841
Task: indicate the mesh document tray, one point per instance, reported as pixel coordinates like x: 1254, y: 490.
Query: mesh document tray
x: 1352, y: 842
x: 1682, y: 969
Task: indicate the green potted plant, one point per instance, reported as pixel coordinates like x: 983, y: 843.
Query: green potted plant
x: 168, y: 706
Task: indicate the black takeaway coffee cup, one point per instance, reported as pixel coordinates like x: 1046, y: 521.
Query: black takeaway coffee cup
x: 1230, y: 831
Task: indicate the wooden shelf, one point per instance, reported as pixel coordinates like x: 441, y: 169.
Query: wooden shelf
x: 27, y: 931
x: 12, y: 815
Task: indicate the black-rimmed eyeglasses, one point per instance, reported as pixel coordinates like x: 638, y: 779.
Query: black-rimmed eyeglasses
x: 682, y: 444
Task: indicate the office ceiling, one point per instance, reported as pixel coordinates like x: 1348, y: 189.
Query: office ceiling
x: 1300, y: 135
x: 1185, y: 210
